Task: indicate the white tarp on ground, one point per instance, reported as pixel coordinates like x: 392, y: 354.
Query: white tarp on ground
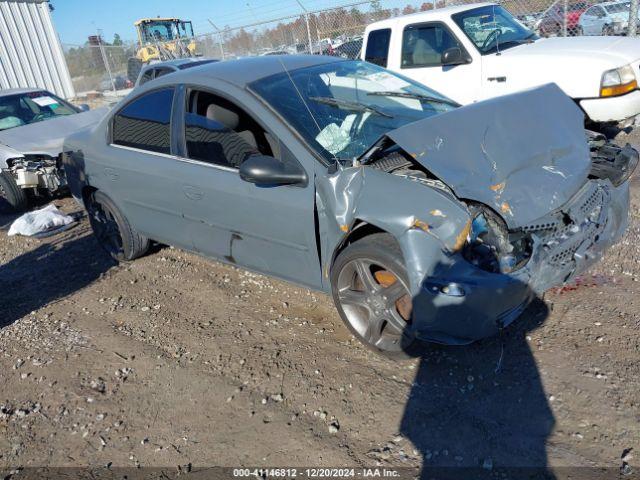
x: 40, y: 221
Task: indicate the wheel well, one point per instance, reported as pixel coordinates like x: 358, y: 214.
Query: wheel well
x: 360, y: 230
x: 86, y: 192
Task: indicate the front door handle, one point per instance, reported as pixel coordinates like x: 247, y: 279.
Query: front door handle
x: 192, y: 193
x: 497, y: 79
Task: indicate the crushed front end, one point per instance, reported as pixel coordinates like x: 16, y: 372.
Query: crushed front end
x: 37, y: 172
x: 501, y: 270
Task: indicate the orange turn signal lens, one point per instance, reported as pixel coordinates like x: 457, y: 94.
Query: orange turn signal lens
x: 617, y: 90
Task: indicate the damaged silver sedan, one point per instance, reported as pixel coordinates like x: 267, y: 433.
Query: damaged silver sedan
x: 422, y: 219
x: 33, y: 124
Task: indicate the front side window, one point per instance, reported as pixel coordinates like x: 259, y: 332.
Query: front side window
x: 145, y: 123
x: 423, y: 45
x: 492, y: 29
x: 31, y: 107
x: 341, y: 109
x: 378, y: 47
x: 221, y: 133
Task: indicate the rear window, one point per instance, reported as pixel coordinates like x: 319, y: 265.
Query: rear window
x: 145, y: 123
x: 378, y: 47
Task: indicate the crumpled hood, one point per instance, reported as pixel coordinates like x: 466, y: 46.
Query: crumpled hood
x: 524, y: 154
x: 48, y: 136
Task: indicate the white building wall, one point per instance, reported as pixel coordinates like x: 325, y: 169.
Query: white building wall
x: 30, y: 51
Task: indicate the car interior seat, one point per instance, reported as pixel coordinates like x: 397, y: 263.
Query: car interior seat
x: 231, y: 120
x: 425, y: 50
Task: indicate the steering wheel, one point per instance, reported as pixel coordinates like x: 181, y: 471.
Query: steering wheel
x: 492, y: 37
x: 39, y: 117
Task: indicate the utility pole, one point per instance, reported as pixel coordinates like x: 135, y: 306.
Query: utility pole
x: 219, y: 38
x: 306, y: 19
x: 105, y: 60
x: 633, y: 19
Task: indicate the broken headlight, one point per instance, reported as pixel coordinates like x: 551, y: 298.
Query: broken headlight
x: 609, y: 161
x: 491, y: 247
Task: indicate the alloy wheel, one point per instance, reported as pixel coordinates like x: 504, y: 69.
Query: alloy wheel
x: 376, y: 303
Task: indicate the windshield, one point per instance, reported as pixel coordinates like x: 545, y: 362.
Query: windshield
x: 165, y: 30
x: 618, y: 7
x: 31, y: 107
x: 492, y: 28
x: 342, y: 108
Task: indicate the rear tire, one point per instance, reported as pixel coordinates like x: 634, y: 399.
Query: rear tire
x: 12, y: 197
x: 370, y: 288
x: 112, y: 229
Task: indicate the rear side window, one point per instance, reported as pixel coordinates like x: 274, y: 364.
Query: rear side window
x: 378, y: 47
x: 147, y: 76
x: 145, y: 123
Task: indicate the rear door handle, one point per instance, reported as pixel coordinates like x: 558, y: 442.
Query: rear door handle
x: 497, y: 79
x: 192, y: 193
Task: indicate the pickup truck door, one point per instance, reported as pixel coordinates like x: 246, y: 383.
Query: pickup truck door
x: 416, y: 52
x: 592, y: 21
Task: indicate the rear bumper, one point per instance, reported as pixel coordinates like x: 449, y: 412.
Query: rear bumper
x: 492, y: 301
x: 612, y: 109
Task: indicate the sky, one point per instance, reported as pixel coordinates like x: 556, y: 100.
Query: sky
x: 75, y: 20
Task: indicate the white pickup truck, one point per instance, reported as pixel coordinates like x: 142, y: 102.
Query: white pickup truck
x: 473, y: 52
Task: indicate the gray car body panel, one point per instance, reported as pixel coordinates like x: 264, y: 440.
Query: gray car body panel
x: 499, y: 160
x: 46, y: 137
x: 275, y: 231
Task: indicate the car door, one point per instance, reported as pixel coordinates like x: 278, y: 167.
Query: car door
x: 420, y: 58
x: 138, y: 170
x: 588, y: 21
x: 269, y: 229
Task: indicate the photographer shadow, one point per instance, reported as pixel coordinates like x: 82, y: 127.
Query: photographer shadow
x: 480, y: 409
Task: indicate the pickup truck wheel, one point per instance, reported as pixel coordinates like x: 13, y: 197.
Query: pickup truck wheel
x: 371, y: 292
x: 112, y: 229
x: 12, y: 197
x: 607, y: 31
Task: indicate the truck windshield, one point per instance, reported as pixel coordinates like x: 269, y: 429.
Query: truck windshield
x: 342, y: 108
x: 492, y: 29
x: 31, y: 107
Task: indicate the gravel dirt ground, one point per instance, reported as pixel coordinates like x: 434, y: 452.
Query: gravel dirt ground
x: 174, y: 360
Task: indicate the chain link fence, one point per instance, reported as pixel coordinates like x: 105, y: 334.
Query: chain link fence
x: 100, y: 68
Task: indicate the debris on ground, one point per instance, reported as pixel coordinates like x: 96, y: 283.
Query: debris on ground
x: 41, y: 223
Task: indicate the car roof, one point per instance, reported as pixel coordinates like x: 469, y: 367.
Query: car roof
x: 176, y: 62
x: 608, y: 4
x: 437, y: 14
x: 18, y: 91
x: 246, y: 70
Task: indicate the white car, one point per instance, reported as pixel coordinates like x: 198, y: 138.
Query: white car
x: 479, y: 51
x: 608, y: 18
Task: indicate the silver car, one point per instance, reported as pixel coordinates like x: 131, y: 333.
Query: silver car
x: 423, y: 219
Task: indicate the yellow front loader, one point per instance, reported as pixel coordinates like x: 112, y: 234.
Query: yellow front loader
x: 161, y: 39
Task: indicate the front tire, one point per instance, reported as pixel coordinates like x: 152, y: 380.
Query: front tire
x: 12, y: 197
x: 371, y: 292
x: 112, y: 229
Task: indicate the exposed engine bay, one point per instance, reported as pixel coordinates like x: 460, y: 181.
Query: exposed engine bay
x: 37, y: 173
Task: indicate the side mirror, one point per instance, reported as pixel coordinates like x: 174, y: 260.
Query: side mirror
x: 268, y: 171
x: 453, y: 56
x: 84, y: 107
